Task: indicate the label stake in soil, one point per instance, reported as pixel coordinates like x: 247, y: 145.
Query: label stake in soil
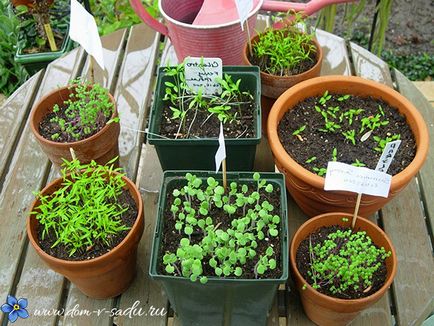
x: 50, y: 37
x: 356, y: 211
x: 220, y: 156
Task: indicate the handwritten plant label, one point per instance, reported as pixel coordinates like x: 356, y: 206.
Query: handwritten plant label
x: 387, y: 156
x: 202, y: 73
x: 243, y: 7
x: 341, y: 176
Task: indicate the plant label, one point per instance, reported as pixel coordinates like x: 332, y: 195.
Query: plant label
x: 345, y: 177
x: 387, y: 156
x: 243, y: 7
x: 220, y: 155
x: 202, y: 73
x: 83, y: 30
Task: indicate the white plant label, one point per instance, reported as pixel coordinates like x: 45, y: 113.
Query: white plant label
x: 243, y: 7
x: 345, y: 177
x: 201, y: 73
x: 387, y: 156
x: 220, y: 155
x: 83, y: 30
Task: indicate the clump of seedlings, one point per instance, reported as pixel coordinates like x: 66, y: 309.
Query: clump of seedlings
x: 343, y: 263
x: 209, y: 248
x: 332, y: 124
x: 87, y: 110
x: 197, y: 110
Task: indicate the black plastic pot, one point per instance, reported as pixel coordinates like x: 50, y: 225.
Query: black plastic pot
x: 198, y: 154
x: 220, y: 301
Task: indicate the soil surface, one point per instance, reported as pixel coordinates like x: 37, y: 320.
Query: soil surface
x: 303, y: 261
x: 171, y: 237
x: 99, y: 248
x: 314, y: 142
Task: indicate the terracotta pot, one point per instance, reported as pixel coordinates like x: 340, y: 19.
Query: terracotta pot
x: 326, y: 310
x: 273, y: 86
x: 307, y: 188
x: 101, y: 147
x: 28, y: 3
x: 105, y: 276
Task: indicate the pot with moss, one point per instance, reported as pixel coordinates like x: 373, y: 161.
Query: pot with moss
x: 345, y: 119
x: 340, y: 271
x: 184, y: 126
x: 81, y: 116
x: 43, y: 35
x: 96, y: 252
x: 219, y: 253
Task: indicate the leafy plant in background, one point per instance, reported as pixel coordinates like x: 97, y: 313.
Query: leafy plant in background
x: 12, y: 74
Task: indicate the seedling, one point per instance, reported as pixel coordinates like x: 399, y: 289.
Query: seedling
x: 346, y: 260
x: 343, y: 98
x: 350, y: 135
x: 381, y: 143
x: 85, y: 210
x: 320, y: 171
x: 372, y: 122
x: 299, y: 130
x: 225, y: 251
x: 335, y: 154
x: 323, y: 99
x: 358, y: 163
x: 311, y: 159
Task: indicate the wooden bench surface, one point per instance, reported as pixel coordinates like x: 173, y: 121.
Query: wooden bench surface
x: 131, y: 58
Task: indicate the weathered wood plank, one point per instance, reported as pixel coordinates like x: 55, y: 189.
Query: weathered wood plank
x: 335, y: 54
x: 29, y: 167
x: 148, y: 292
x: 13, y: 114
x: 426, y: 174
x: 133, y: 93
x: 369, y: 66
x: 413, y: 287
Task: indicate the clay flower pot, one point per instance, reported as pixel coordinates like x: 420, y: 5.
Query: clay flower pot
x: 105, y: 276
x: 326, y: 310
x: 100, y: 147
x: 307, y: 188
x: 27, y: 3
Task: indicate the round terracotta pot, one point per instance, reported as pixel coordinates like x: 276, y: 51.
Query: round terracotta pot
x: 105, y: 276
x: 100, y: 147
x: 28, y: 3
x: 273, y: 86
x: 307, y: 188
x: 326, y: 310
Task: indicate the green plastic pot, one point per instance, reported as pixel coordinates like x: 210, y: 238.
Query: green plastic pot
x: 33, y: 62
x: 198, y: 154
x: 220, y: 301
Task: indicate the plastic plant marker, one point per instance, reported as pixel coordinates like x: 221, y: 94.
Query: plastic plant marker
x: 220, y: 156
x: 50, y: 37
x: 201, y: 74
x: 386, y: 158
x: 243, y: 9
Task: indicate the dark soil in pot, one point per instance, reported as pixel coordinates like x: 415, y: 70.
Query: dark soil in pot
x: 205, y: 126
x: 171, y: 238
x: 303, y: 259
x: 128, y: 219
x: 302, y: 132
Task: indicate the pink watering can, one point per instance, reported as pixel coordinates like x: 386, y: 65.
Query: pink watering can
x: 211, y: 28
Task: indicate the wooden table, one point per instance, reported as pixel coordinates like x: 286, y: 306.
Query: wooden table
x: 131, y: 57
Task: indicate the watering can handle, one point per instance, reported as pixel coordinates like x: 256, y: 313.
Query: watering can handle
x: 307, y: 8
x: 147, y: 18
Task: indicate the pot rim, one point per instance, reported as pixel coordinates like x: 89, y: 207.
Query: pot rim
x: 332, y: 300
x: 265, y: 75
x: 131, y: 188
x: 35, y: 125
x: 422, y: 137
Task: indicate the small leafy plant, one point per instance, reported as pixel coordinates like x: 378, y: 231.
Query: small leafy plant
x: 345, y: 261
x: 85, y: 210
x: 86, y: 111
x: 206, y: 244
x: 280, y: 51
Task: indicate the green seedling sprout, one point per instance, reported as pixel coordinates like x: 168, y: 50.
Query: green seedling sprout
x: 381, y: 143
x: 358, y: 163
x: 350, y: 135
x: 299, y: 130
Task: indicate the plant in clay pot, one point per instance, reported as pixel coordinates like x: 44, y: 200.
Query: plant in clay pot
x: 43, y: 32
x: 220, y: 248
x: 345, y: 119
x: 78, y: 243
x: 184, y: 124
x: 339, y: 271
x: 82, y: 116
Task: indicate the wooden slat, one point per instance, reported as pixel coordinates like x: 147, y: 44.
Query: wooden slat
x: 426, y: 174
x: 147, y: 291
x: 335, y: 54
x: 28, y: 169
x: 369, y: 66
x: 133, y: 93
x: 13, y: 114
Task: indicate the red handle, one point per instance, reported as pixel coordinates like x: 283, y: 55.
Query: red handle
x: 147, y: 18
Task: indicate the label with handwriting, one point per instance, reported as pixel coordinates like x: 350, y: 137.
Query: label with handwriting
x: 345, y: 177
x: 202, y: 73
x: 387, y: 156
